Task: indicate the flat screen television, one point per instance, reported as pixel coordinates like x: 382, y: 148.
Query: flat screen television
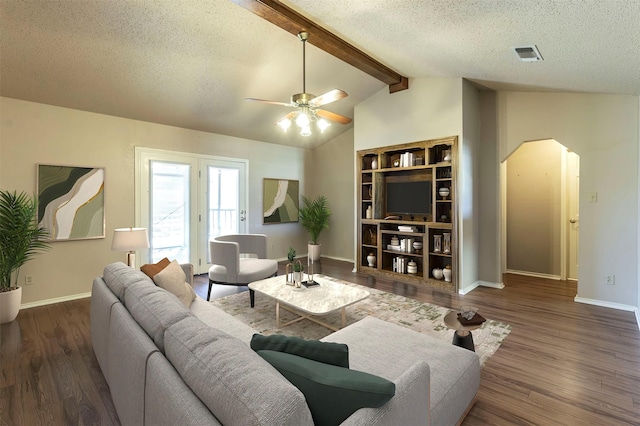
x: 409, y: 198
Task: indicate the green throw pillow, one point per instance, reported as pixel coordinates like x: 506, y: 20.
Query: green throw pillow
x: 333, y: 393
x: 326, y: 352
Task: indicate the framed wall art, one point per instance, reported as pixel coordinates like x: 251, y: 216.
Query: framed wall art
x: 280, y: 200
x: 71, y: 202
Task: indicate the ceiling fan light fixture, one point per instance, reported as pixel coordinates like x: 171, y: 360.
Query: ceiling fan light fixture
x: 284, y: 124
x: 305, y: 131
x: 302, y: 119
x: 323, y: 125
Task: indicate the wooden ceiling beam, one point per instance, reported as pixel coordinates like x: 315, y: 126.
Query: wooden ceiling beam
x: 293, y: 22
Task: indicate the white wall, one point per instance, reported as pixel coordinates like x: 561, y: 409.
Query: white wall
x: 603, y: 130
x: 331, y: 174
x: 430, y: 109
x: 468, y: 189
x: 489, y: 266
x: 32, y: 133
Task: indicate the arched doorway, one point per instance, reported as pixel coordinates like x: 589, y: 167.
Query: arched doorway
x: 542, y: 215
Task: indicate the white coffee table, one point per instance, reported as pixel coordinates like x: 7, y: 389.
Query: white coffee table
x: 309, y: 303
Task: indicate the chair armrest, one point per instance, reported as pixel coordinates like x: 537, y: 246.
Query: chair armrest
x: 227, y: 254
x: 188, y: 272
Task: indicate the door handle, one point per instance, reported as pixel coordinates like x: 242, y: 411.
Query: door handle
x: 573, y: 220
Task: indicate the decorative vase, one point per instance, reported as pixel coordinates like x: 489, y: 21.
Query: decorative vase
x: 444, y: 192
x: 437, y: 243
x: 374, y: 163
x: 314, y: 251
x: 412, y: 267
x: 437, y: 273
x: 447, y: 273
x: 446, y: 243
x: 369, y: 213
x: 417, y: 245
x: 447, y: 155
x: 372, y: 260
x: 10, y: 304
x: 395, y: 241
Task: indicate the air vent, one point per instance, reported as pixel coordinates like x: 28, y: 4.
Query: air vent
x: 528, y: 53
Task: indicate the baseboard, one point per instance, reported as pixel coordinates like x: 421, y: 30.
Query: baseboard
x: 612, y: 305
x: 534, y: 274
x: 480, y: 284
x: 54, y: 300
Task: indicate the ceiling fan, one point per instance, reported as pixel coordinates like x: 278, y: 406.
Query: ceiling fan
x: 307, y: 105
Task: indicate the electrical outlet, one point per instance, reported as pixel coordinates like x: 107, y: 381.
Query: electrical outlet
x: 593, y: 197
x: 28, y: 280
x: 610, y: 280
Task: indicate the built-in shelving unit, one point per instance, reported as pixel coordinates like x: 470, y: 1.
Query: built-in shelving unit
x: 407, y: 214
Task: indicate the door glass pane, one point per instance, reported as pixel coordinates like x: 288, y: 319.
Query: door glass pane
x: 169, y: 221
x: 223, y: 201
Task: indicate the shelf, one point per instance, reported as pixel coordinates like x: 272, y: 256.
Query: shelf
x: 439, y: 254
x: 375, y: 234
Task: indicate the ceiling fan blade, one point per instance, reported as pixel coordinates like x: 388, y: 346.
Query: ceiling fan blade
x: 288, y: 104
x: 327, y: 98
x: 333, y: 116
x: 289, y: 116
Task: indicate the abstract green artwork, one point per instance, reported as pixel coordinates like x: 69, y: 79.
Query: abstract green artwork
x: 280, y: 200
x: 71, y: 202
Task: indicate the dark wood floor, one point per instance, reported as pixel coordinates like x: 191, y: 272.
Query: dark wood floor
x: 563, y: 363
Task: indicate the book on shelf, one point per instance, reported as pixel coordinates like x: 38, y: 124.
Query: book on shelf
x: 407, y: 228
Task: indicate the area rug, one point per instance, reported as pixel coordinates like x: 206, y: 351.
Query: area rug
x: 419, y: 316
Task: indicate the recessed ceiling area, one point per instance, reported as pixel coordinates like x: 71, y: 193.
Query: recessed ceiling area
x: 191, y: 64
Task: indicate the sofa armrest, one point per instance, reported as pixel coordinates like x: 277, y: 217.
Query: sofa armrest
x: 409, y: 406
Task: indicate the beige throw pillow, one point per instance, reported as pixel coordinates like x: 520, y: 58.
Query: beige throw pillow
x: 173, y: 279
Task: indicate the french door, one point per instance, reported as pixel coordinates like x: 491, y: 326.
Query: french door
x: 184, y: 200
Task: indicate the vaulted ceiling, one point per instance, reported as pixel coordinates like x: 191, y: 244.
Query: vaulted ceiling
x: 191, y: 63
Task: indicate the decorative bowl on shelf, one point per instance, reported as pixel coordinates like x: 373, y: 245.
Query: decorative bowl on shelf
x: 444, y: 192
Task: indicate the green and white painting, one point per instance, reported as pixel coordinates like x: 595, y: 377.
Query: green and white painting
x: 280, y: 201
x: 71, y: 202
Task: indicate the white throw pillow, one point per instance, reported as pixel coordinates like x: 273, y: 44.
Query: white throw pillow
x: 173, y: 279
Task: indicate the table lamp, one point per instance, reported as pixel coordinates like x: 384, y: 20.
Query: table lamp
x: 129, y: 240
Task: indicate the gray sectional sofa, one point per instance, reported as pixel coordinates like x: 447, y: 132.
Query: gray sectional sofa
x: 167, y: 364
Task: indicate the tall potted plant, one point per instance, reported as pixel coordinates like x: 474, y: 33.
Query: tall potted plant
x: 314, y: 217
x: 20, y: 241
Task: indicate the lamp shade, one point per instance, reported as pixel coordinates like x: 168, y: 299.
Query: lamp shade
x: 129, y: 239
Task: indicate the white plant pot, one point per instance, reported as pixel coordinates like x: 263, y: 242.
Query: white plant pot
x: 314, y: 251
x: 10, y: 304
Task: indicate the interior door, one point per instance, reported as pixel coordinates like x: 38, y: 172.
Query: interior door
x: 573, y: 181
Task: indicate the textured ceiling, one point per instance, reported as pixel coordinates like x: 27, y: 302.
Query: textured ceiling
x: 191, y: 63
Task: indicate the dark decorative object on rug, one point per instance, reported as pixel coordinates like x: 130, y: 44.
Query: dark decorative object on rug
x: 20, y: 240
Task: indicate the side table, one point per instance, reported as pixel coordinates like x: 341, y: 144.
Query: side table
x: 462, y: 335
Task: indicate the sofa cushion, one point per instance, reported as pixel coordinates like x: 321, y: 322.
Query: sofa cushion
x: 154, y: 309
x: 173, y: 279
x: 333, y: 393
x: 118, y: 276
x: 151, y: 269
x: 236, y: 384
x: 215, y: 317
x: 325, y: 352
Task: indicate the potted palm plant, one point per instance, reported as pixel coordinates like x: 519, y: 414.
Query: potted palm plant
x: 20, y: 240
x: 314, y: 217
